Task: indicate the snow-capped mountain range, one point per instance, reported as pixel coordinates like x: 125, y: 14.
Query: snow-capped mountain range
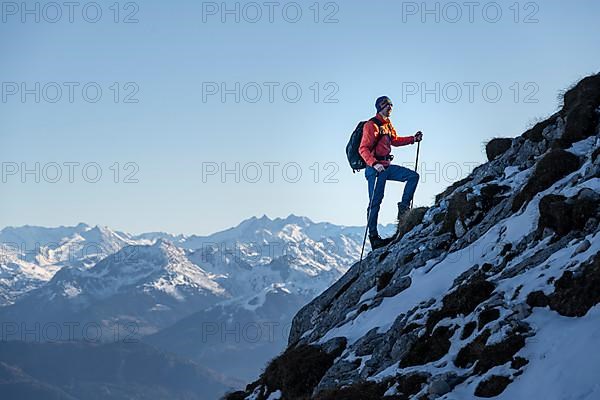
x: 154, y: 279
x: 32, y: 255
x: 262, y: 270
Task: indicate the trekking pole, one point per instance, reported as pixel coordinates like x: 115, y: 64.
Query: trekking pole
x: 416, y: 166
x: 368, y: 217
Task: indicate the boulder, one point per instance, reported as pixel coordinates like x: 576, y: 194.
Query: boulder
x: 497, y: 147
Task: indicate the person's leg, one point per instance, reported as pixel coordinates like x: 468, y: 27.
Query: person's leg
x: 402, y: 174
x: 375, y: 202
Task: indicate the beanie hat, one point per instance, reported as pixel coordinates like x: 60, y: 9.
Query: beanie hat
x: 381, y: 102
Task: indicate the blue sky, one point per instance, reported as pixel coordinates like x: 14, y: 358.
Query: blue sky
x: 170, y: 136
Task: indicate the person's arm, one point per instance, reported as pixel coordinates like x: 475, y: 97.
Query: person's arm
x: 367, y: 142
x: 401, y: 140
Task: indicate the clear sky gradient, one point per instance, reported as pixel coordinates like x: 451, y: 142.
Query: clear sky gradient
x: 163, y: 145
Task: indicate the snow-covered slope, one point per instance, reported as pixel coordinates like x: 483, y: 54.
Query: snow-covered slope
x: 18, y: 276
x: 493, y: 291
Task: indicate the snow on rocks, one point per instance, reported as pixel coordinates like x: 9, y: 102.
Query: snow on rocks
x: 484, y: 308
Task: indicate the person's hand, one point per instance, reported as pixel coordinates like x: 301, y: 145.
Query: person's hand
x: 418, y: 136
x: 379, y: 168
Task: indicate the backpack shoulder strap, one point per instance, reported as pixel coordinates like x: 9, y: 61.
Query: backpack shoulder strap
x: 378, y: 123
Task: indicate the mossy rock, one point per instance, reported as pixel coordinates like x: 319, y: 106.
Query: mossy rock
x: 553, y: 166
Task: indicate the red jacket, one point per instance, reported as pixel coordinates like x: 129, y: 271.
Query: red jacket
x: 384, y: 147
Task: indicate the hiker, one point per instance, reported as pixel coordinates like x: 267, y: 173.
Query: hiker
x: 375, y: 151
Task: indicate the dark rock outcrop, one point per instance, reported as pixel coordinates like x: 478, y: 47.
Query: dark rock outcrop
x: 574, y: 292
x: 409, y: 220
x: 553, y: 166
x: 535, y: 134
x: 496, y: 147
x: 564, y: 215
x: 295, y: 372
x: 463, y: 300
x: 492, y: 386
x: 487, y: 316
x: 429, y: 347
x: 580, y: 110
x: 485, y: 357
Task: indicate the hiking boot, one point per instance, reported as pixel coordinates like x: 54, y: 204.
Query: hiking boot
x: 377, y: 241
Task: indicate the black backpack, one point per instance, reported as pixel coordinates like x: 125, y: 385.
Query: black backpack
x: 356, y: 161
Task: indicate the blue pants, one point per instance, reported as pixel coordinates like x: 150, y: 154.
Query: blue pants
x: 392, y: 173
